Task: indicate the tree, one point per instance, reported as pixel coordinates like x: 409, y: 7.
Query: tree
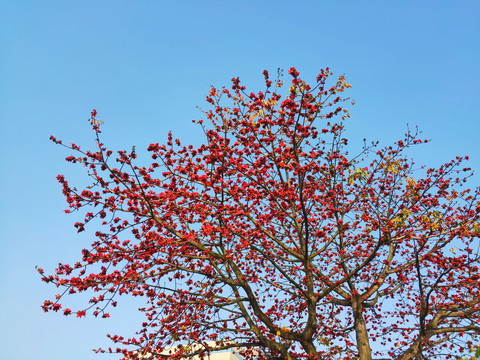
x: 272, y: 239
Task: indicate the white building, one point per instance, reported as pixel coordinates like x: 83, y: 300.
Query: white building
x: 228, y: 354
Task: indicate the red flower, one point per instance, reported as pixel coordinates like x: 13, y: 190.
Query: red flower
x: 293, y: 72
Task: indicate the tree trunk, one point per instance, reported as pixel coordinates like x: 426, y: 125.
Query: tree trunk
x: 364, y: 351
x: 412, y: 351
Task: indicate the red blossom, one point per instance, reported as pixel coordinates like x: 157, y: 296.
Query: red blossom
x: 293, y: 72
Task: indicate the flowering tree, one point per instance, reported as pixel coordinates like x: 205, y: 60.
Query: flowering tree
x: 272, y: 239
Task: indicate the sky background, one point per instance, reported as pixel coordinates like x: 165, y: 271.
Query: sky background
x: 146, y: 65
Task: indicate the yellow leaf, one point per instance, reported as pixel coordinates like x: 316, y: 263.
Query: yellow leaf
x: 411, y: 181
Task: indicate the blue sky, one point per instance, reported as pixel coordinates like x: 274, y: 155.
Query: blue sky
x: 146, y: 65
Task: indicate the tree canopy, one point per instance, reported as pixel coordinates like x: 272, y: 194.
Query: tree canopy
x: 274, y: 238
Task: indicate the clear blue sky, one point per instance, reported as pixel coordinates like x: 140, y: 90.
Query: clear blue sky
x: 146, y: 65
